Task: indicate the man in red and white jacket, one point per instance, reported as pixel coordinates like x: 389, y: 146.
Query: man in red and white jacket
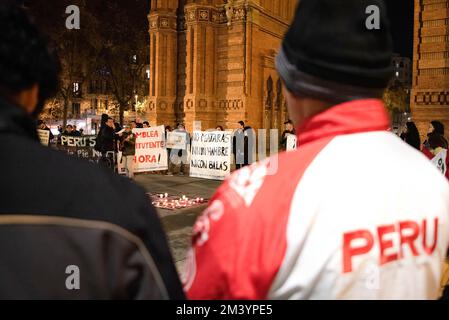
x: 349, y: 215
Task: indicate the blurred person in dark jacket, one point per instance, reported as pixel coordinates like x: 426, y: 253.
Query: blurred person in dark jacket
x: 98, y: 237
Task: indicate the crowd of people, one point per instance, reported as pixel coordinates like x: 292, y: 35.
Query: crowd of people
x: 434, y: 147
x: 113, y: 138
x: 353, y: 213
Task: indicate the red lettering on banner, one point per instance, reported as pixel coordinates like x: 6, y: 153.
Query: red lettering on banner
x: 148, y: 134
x: 147, y: 159
x: 407, y: 233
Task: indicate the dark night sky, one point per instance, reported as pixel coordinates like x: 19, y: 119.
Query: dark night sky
x: 401, y: 17
x: 400, y: 14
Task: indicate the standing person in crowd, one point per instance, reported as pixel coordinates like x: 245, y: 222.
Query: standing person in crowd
x: 75, y: 132
x: 98, y: 225
x: 289, y: 130
x: 411, y: 135
x: 239, y: 141
x: 139, y: 125
x: 61, y: 132
x: 128, y: 148
x: 108, y: 143
x: 249, y: 146
x: 117, y: 127
x: 318, y: 222
x: 103, y: 120
x: 98, y: 140
x: 68, y: 130
x: 167, y: 130
x: 179, y: 156
x: 438, y: 127
x: 81, y: 132
x: 219, y: 128
x: 436, y: 151
x: 133, y: 125
x: 43, y: 126
x: 146, y: 124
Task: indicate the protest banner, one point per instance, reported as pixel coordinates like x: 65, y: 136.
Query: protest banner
x: 44, y: 137
x: 291, y: 142
x: 440, y: 161
x: 81, y: 147
x: 211, y: 155
x: 151, y: 154
x: 176, y: 140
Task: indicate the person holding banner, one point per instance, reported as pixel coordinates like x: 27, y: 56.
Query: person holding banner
x: 43, y: 126
x: 178, y: 154
x: 128, y: 148
x: 437, y: 152
x: 289, y: 130
x: 45, y: 135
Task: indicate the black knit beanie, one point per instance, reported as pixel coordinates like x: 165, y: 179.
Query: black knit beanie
x: 329, y: 53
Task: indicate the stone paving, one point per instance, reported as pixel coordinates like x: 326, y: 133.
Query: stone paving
x: 178, y: 223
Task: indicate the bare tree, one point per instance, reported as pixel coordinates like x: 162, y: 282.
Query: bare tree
x: 124, y: 52
x: 112, y: 38
x: 76, y: 48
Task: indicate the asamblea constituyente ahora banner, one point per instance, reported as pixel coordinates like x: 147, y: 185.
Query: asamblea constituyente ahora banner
x: 151, y: 154
x: 211, y: 155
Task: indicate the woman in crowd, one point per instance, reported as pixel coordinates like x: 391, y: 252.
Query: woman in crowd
x: 411, y: 135
x: 438, y: 127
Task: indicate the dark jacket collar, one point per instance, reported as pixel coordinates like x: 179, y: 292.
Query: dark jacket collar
x: 15, y: 120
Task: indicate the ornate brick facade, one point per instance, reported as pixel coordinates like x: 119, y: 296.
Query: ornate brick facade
x: 213, y: 61
x: 430, y: 94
